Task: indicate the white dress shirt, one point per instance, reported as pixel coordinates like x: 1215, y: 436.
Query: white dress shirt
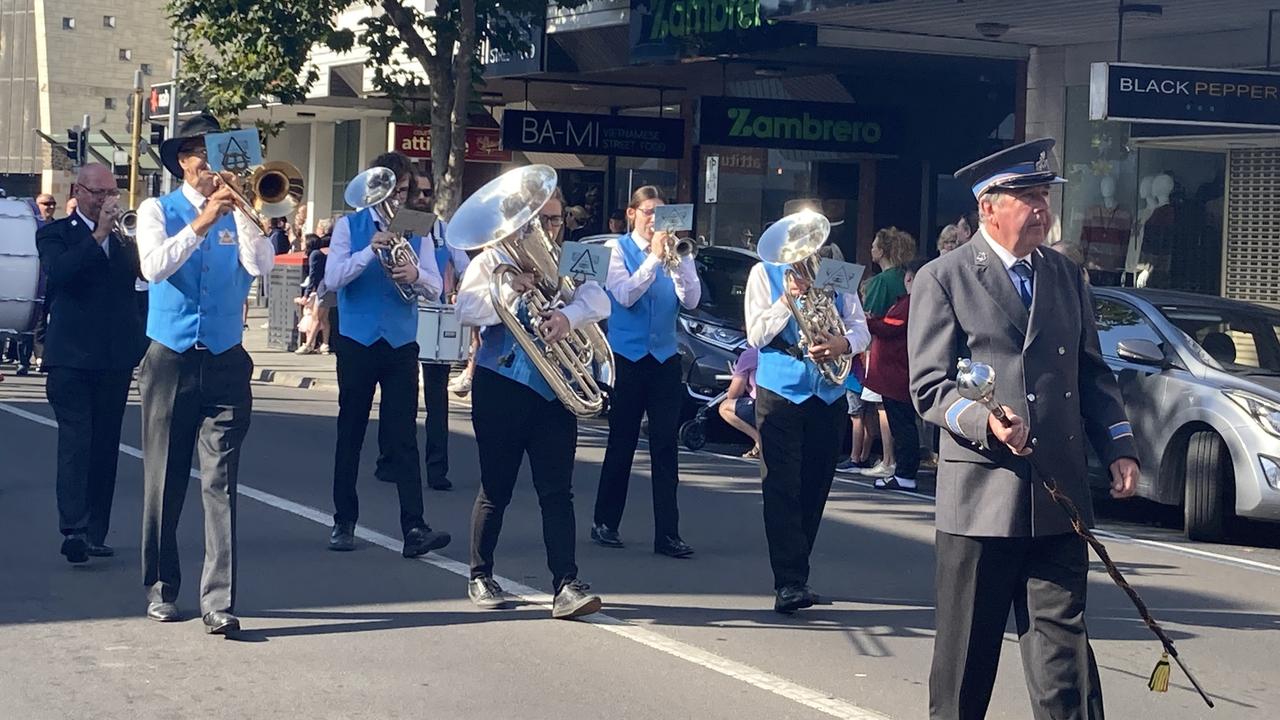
x: 459, y: 258
x: 106, y: 241
x: 344, y: 266
x: 1007, y: 258
x: 161, y: 255
x: 627, y: 288
x: 589, y: 303
x: 766, y: 317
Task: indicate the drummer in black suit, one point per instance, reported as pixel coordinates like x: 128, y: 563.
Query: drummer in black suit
x: 95, y: 339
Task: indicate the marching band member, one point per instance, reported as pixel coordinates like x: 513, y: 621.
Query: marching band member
x: 801, y: 417
x: 201, y: 255
x: 515, y: 413
x: 642, y: 331
x: 376, y: 345
x: 435, y: 375
x: 94, y: 341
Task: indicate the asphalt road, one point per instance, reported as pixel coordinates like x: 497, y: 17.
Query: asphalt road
x: 371, y: 635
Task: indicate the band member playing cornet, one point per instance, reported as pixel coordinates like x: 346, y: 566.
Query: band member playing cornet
x: 376, y: 345
x: 799, y: 404
x: 201, y: 257
x: 515, y: 412
x: 95, y: 339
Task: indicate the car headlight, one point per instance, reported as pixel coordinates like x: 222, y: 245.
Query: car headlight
x: 1266, y: 412
x: 1271, y: 469
x: 717, y: 335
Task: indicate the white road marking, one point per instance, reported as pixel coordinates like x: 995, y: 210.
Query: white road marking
x: 820, y: 701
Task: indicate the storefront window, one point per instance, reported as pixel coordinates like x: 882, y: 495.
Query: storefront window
x: 1138, y: 214
x: 346, y: 160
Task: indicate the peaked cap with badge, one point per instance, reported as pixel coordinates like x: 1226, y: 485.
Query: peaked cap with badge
x: 1025, y: 165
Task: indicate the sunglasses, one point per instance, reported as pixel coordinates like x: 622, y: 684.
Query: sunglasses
x: 48, y: 204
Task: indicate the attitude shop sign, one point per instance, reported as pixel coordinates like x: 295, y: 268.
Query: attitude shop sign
x: 1184, y: 96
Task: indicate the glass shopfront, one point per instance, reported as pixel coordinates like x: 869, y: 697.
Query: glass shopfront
x: 1140, y: 215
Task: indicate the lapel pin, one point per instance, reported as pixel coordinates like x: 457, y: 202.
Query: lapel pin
x: 982, y: 256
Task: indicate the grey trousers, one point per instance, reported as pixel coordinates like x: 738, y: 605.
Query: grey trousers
x: 192, y: 402
x: 1044, y: 580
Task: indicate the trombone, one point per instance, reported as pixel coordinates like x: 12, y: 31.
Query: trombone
x: 504, y: 215
x: 273, y: 190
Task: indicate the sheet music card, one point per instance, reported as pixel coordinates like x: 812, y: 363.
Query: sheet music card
x: 234, y: 151
x: 673, y: 218
x: 582, y: 261
x: 412, y: 222
x: 842, y: 276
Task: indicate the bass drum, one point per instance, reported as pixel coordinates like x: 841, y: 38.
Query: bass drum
x: 19, y: 266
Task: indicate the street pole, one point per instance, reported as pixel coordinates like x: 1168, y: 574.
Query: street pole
x: 135, y: 140
x: 173, y: 113
x: 82, y: 152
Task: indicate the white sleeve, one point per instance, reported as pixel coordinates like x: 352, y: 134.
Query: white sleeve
x: 590, y: 305
x: 475, y: 305
x: 160, y: 255
x: 688, y: 287
x: 855, y: 323
x: 766, y: 318
x: 625, y: 287
x: 257, y: 252
x: 342, y: 267
x: 429, y: 281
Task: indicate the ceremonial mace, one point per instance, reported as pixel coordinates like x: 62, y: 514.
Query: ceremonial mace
x: 977, y: 381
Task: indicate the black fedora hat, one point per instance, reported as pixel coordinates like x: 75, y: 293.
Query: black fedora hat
x: 196, y: 127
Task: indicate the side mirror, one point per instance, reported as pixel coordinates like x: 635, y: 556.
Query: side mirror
x: 1139, y: 351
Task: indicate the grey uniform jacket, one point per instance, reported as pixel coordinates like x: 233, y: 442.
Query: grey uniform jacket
x: 1048, y: 369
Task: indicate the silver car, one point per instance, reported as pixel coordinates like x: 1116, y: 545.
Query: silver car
x: 1201, y: 382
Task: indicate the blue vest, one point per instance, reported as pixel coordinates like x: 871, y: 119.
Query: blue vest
x: 649, y: 326
x: 500, y: 353
x: 204, y: 300
x: 778, y: 372
x: 370, y: 306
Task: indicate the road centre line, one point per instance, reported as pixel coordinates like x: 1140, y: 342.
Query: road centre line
x: 814, y: 699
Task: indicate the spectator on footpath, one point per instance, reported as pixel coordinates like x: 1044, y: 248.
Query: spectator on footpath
x: 890, y: 249
x: 888, y: 375
x: 278, y: 235
x: 316, y: 298
x: 864, y: 433
x: 738, y: 409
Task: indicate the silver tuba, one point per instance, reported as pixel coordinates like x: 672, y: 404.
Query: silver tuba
x: 794, y: 241
x: 376, y: 188
x: 503, y: 215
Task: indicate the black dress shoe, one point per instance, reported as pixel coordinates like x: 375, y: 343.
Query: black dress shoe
x: 162, y: 612
x: 603, y: 535
x: 486, y: 593
x: 573, y: 601
x: 813, y: 597
x: 422, y: 540
x: 672, y: 546
x: 101, y: 550
x: 343, y: 537
x: 792, y: 598
x: 440, y: 484
x: 219, y: 622
x: 76, y: 549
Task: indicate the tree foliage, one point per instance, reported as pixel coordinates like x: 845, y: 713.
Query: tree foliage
x: 239, y: 52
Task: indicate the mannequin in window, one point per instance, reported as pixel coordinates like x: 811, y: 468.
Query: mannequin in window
x: 1158, y: 235
x: 1132, y: 263
x: 1104, y: 236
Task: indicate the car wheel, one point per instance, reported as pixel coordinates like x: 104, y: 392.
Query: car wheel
x: 1207, y: 478
x: 693, y: 434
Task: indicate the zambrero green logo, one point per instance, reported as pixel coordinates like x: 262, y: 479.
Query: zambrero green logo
x: 806, y: 127
x: 682, y: 18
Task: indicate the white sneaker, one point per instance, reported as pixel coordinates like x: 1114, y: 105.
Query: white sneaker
x: 460, y: 385
x: 879, y: 470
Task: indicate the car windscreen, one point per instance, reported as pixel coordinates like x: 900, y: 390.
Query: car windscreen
x: 1239, y: 340
x: 724, y: 283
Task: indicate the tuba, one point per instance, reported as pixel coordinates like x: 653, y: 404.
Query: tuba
x: 794, y: 241
x: 503, y: 216
x: 376, y: 188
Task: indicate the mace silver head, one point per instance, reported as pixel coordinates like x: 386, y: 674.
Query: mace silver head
x: 976, y: 381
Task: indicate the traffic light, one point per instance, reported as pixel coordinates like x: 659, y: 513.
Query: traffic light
x: 76, y: 145
x: 157, y: 135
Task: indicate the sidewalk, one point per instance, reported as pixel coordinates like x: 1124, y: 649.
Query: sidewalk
x: 277, y: 366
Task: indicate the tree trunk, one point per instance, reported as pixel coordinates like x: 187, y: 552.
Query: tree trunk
x: 455, y: 161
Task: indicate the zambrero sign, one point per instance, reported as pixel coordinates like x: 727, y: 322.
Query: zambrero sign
x: 832, y: 127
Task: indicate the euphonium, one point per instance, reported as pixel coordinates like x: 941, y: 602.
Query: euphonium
x: 376, y: 187
x: 794, y: 241
x: 504, y: 215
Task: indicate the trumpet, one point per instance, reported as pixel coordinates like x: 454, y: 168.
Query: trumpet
x: 273, y: 190
x: 794, y: 241
x: 126, y: 224
x: 504, y: 215
x: 677, y: 250
x: 376, y: 188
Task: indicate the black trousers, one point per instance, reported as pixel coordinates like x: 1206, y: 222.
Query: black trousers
x: 361, y: 369
x: 798, y: 448
x: 1045, y: 581
x: 435, y: 398
x: 511, y: 421
x: 906, y: 437
x: 192, y: 402
x: 89, y: 406
x: 652, y: 387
